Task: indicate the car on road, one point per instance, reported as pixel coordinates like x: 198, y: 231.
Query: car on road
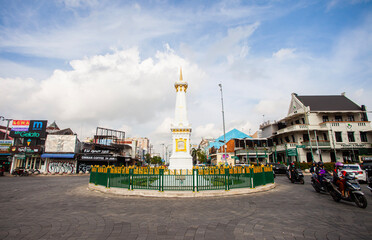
x: 356, y: 171
x: 279, y: 168
x: 367, y: 166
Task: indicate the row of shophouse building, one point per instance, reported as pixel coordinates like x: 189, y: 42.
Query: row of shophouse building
x: 317, y: 128
x: 326, y: 128
x: 32, y: 144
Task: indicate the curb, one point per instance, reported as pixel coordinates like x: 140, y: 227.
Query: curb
x: 48, y: 175
x: 179, y: 194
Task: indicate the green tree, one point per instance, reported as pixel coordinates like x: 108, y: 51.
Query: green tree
x: 194, y: 155
x: 202, y: 157
x: 148, y: 158
x: 156, y: 160
x: 198, y: 155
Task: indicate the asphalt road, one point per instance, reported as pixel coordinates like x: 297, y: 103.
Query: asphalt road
x: 62, y: 208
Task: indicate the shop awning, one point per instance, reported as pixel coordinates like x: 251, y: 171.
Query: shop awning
x: 57, y: 155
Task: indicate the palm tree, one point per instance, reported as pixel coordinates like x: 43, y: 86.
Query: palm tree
x: 198, y: 155
x: 201, y: 156
x: 194, y: 155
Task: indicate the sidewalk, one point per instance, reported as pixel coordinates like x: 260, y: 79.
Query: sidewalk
x: 6, y: 174
x: 180, y: 194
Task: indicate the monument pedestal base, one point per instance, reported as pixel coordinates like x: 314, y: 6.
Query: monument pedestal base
x: 180, y: 162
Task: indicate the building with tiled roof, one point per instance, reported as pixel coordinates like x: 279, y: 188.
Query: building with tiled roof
x: 326, y: 128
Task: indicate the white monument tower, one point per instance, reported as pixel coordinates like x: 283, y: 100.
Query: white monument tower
x: 181, y: 130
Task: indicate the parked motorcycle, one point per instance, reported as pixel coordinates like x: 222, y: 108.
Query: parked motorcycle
x: 321, y: 182
x: 353, y: 192
x: 298, y: 176
x: 34, y: 171
x: 20, y: 172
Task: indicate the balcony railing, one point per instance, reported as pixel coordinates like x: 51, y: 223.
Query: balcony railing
x: 350, y: 125
x: 251, y: 151
x: 292, y: 128
x: 314, y: 144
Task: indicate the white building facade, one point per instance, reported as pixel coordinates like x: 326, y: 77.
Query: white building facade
x: 322, y: 128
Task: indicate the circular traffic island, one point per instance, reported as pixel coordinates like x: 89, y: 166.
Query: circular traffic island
x: 196, y: 182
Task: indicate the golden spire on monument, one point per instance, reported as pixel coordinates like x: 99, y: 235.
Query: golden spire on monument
x: 181, y: 85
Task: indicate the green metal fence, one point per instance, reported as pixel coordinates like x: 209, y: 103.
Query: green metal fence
x: 198, y: 179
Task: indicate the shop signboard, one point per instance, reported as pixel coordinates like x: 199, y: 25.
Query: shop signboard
x: 5, y: 146
x: 60, y: 144
x: 92, y: 151
x: 22, y: 149
x: 352, y: 145
x: 20, y: 125
x: 98, y: 158
x: 28, y: 129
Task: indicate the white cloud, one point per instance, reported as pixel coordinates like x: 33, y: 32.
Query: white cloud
x: 209, y: 130
x: 233, y: 45
x: 9, y: 69
x: 271, y: 108
x: 284, y: 53
x: 79, y: 3
x: 132, y: 89
x: 117, y: 89
x: 95, y: 32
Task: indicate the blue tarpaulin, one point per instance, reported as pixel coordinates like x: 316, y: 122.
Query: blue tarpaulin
x: 57, y: 155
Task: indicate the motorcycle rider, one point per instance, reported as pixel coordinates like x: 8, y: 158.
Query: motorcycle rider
x: 312, y: 169
x: 292, y: 169
x: 339, y: 177
x: 319, y: 167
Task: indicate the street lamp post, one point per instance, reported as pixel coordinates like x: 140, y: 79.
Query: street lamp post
x: 246, y: 149
x: 308, y: 133
x: 162, y: 149
x: 7, y: 125
x: 223, y: 121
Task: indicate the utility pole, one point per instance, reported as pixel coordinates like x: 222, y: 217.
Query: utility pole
x: 308, y: 133
x: 7, y: 125
x: 223, y: 121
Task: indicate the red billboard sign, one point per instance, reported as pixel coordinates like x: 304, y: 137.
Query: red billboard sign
x: 20, y: 123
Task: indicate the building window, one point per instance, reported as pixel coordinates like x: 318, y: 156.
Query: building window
x: 303, y: 120
x: 297, y: 121
x: 293, y: 138
x: 363, y: 137
x: 306, y: 137
x: 287, y: 139
x: 350, y: 118
x: 338, y: 136
x: 325, y: 119
x: 350, y: 136
x: 338, y: 118
x: 325, y: 137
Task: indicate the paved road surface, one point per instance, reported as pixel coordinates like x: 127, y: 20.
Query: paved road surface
x: 62, y: 208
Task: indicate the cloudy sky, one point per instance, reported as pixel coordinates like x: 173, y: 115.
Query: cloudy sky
x: 113, y: 63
